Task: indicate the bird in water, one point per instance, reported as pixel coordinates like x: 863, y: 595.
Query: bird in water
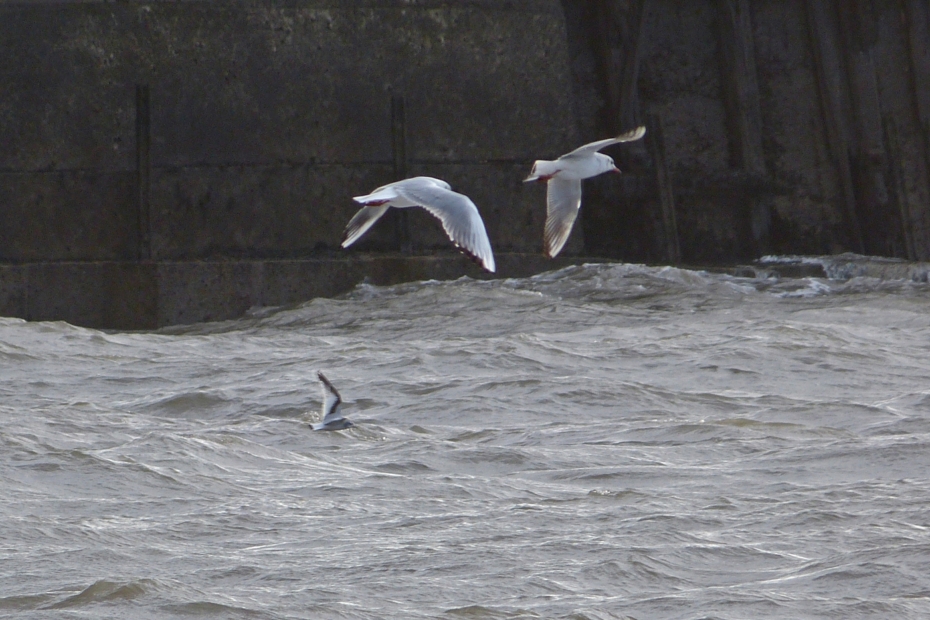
x: 458, y: 214
x: 564, y: 176
x: 332, y: 419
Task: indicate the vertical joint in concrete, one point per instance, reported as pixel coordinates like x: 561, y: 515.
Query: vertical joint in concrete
x: 143, y: 170
x: 618, y: 35
x: 741, y: 85
x: 655, y: 140
x: 629, y: 92
x: 898, y: 189
x: 835, y: 107
x: 917, y: 14
x: 884, y: 221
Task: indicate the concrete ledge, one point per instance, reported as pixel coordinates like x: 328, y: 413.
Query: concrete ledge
x: 152, y: 294
x: 119, y: 295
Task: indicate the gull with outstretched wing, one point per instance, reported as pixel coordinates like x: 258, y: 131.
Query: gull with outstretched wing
x: 564, y: 176
x: 457, y: 213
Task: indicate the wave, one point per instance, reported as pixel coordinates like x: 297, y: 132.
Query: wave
x: 848, y: 266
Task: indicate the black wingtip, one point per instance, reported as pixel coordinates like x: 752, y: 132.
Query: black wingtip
x: 472, y: 256
x: 329, y: 386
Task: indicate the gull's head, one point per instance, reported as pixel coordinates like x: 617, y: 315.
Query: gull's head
x: 609, y: 165
x: 542, y: 171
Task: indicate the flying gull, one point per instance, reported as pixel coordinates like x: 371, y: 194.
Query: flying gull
x: 458, y: 214
x: 564, y: 176
x: 332, y: 419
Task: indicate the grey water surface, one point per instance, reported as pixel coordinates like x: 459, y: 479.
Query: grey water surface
x: 604, y: 441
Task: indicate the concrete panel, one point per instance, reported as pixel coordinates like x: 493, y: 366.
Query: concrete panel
x: 191, y: 292
x: 388, y: 270
x: 96, y: 294
x: 314, y: 84
x: 68, y: 215
x: 487, y: 84
x: 287, y: 282
x: 681, y: 87
x: 629, y: 223
x: 13, y: 291
x: 791, y: 119
x: 258, y: 211
x: 680, y: 79
x: 900, y: 108
x: 796, y: 151
x: 715, y: 225
x: 283, y: 82
x: 266, y: 84
x: 64, y: 102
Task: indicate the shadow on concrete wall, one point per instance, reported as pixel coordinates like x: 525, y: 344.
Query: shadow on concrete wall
x: 799, y: 126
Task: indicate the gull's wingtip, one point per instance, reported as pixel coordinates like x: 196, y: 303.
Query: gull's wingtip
x: 347, y: 239
x: 632, y: 135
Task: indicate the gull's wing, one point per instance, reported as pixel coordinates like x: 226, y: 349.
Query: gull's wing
x: 375, y: 205
x: 563, y: 200
x: 361, y: 222
x: 331, y: 399
x: 594, y: 147
x: 458, y: 214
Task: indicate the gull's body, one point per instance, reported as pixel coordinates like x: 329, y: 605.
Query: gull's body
x: 458, y: 214
x: 332, y: 419
x: 563, y: 177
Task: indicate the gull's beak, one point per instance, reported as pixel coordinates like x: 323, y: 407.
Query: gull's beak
x: 531, y: 178
x: 615, y: 170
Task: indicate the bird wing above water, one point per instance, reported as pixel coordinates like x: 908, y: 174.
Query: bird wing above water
x: 458, y: 214
x: 361, y: 222
x: 331, y: 399
x: 375, y: 204
x: 563, y: 199
x: 593, y: 147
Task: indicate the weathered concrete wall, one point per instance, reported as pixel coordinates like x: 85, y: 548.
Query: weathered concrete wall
x: 175, y: 157
x: 264, y: 118
x: 789, y: 126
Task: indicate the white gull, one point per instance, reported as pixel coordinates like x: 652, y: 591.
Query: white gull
x: 458, y: 214
x: 564, y: 175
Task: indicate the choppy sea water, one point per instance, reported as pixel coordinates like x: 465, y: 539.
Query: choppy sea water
x: 604, y: 441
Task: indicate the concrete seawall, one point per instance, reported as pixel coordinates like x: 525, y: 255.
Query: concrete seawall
x: 176, y: 161
x: 789, y: 126
x: 172, y: 162
x: 184, y: 130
